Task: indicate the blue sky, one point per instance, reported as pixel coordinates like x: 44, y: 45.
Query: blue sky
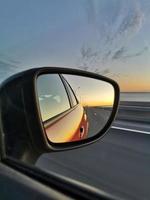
x: 109, y: 37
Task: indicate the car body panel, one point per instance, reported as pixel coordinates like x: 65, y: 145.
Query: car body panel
x: 68, y: 127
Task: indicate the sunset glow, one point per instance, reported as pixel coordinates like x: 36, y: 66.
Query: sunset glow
x: 92, y: 92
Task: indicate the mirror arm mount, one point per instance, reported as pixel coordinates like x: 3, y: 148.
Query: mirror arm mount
x: 16, y: 140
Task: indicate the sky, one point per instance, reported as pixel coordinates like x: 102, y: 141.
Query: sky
x: 109, y: 37
x: 91, y: 92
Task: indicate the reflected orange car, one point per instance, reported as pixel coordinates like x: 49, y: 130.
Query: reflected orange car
x: 71, y: 125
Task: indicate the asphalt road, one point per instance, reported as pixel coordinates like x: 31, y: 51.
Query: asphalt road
x: 119, y: 163
x: 97, y: 118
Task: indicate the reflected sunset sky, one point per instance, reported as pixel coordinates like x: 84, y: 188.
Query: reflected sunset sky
x: 109, y: 37
x: 91, y: 92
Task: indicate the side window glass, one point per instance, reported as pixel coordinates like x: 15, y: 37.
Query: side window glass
x: 73, y: 98
x: 52, y: 96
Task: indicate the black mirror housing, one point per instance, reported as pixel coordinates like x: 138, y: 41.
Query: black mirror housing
x: 22, y: 132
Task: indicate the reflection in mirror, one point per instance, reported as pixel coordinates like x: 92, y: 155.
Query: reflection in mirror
x: 73, y: 107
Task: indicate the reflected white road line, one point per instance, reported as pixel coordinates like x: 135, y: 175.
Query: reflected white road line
x: 131, y: 130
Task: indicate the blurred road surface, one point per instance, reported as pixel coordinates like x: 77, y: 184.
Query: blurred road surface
x: 119, y: 163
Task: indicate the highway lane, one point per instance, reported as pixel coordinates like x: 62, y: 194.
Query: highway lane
x: 119, y: 164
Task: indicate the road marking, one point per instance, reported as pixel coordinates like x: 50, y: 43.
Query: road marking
x: 131, y: 130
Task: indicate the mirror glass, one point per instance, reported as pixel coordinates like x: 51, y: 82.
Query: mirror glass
x: 73, y: 107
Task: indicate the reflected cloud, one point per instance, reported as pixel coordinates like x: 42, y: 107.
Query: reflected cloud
x: 42, y: 97
x: 57, y: 98
x: 47, y: 95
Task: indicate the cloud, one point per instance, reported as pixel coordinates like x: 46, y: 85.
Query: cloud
x: 106, y: 56
x: 132, y: 22
x: 116, y: 24
x: 88, y: 57
x: 139, y: 53
x: 123, y: 18
x: 87, y: 52
x: 119, y: 53
x: 41, y: 99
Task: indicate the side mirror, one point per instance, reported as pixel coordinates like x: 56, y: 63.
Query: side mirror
x: 53, y: 109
